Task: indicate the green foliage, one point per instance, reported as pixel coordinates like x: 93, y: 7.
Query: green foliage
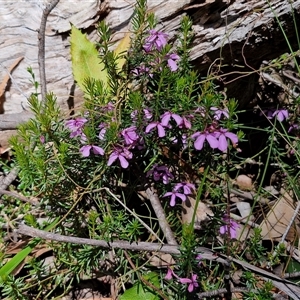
x: 140, y: 291
x: 85, y: 59
x: 148, y: 123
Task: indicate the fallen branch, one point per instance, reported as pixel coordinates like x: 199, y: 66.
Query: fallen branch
x: 160, y: 213
x: 134, y: 246
x: 288, y: 287
x: 8, y: 179
x: 12, y: 121
x: 16, y: 195
x: 41, y: 46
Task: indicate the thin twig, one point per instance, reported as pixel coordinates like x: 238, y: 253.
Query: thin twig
x: 160, y: 213
x: 134, y: 214
x: 290, y: 288
x: 295, y: 214
x: 9, y: 178
x: 20, y: 197
x: 133, y: 246
x: 41, y: 46
x: 214, y: 293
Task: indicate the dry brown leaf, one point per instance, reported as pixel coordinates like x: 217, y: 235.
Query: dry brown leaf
x: 244, y: 182
x: 188, y: 207
x: 278, y: 219
x: 5, y: 81
x: 161, y: 260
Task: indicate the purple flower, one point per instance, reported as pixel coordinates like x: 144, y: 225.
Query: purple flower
x: 201, y: 110
x: 174, y: 195
x: 170, y: 274
x: 199, y: 257
x: 222, y: 135
x: 42, y: 139
x: 75, y: 126
x: 103, y: 128
x: 218, y: 113
x: 185, y: 123
x: 229, y: 228
x: 281, y: 114
x: 122, y: 154
x: 108, y: 107
x: 147, y: 115
x: 202, y: 136
x: 165, y: 118
x: 129, y: 135
x: 159, y: 126
x: 156, y: 39
x: 160, y: 173
x: 192, y: 282
x: 172, y: 61
x: 86, y: 150
x: 185, y: 186
x: 293, y: 127
x: 141, y: 70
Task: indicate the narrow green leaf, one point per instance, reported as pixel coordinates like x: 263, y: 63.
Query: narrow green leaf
x: 9, y: 267
x: 85, y: 59
x: 141, y: 292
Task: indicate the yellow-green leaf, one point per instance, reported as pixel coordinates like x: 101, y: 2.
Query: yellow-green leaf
x: 85, y: 59
x: 121, y: 50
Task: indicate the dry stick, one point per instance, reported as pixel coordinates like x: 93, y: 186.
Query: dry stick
x: 8, y: 179
x: 214, y: 293
x: 16, y: 195
x: 133, y: 246
x: 284, y: 285
x: 41, y: 46
x: 160, y: 213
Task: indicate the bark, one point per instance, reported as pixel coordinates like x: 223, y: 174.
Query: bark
x: 241, y: 32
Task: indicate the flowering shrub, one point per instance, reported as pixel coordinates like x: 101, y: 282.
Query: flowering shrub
x: 155, y: 128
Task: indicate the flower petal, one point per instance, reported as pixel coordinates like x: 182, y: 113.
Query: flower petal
x: 123, y: 161
x: 85, y: 150
x: 213, y: 142
x: 112, y: 158
x: 161, y: 131
x: 222, y: 143
x: 198, y: 144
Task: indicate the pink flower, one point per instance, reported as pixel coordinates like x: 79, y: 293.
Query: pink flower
x: 129, y: 135
x: 202, y: 136
x: 170, y: 274
x: 293, y: 127
x: 108, y: 107
x: 218, y: 113
x: 103, y: 128
x: 160, y: 129
x: 172, y: 61
x: 156, y: 39
x: 76, y: 126
x: 185, y: 123
x: 174, y: 195
x: 147, y: 115
x: 222, y: 135
x: 42, y: 139
x: 86, y: 150
x: 160, y: 173
x: 281, y: 114
x: 230, y: 227
x: 192, y: 282
x: 165, y: 118
x: 141, y: 70
x: 187, y: 187
x: 122, y: 154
